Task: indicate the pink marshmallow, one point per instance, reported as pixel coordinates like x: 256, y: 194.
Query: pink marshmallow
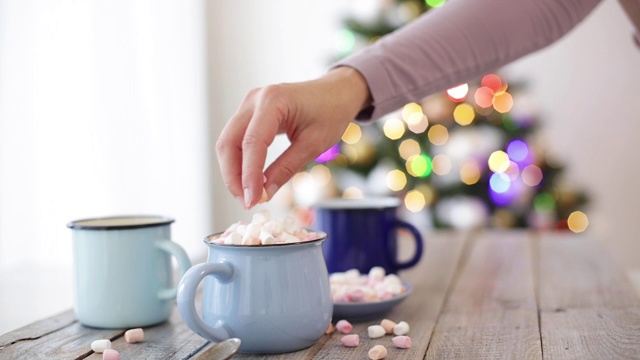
x: 351, y: 340
x: 134, y: 335
x: 344, y: 326
x: 402, y: 342
x: 110, y: 354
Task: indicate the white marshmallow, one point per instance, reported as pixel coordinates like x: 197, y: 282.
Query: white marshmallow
x: 250, y: 237
x: 401, y: 328
x: 101, y: 345
x: 233, y: 239
x: 376, y: 331
x: 261, y: 217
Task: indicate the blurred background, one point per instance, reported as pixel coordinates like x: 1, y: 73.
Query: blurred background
x: 114, y: 108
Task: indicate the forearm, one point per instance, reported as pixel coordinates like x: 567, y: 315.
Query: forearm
x: 457, y: 43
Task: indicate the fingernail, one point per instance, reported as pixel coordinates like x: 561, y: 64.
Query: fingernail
x: 264, y: 178
x: 271, y: 190
x: 247, y: 197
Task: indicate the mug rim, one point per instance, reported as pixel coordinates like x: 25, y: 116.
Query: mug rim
x: 153, y: 220
x: 372, y: 202
x: 323, y: 237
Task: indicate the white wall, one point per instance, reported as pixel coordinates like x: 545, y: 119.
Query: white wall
x: 586, y: 85
x: 102, y: 112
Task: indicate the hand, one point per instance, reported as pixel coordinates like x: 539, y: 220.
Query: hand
x: 313, y: 114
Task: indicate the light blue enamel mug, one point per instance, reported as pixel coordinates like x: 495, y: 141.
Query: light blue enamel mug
x: 274, y: 298
x: 123, y: 272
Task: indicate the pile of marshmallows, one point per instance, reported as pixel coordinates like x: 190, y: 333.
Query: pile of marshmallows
x: 386, y: 326
x: 264, y: 231
x: 104, y: 345
x: 351, y: 286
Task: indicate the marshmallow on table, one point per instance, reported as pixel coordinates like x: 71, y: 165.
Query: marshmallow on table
x: 401, y: 328
x: 402, y: 342
x: 330, y: 329
x: 351, y: 286
x: 110, y: 354
x: 376, y: 331
x: 351, y: 340
x: 377, y: 352
x: 344, y: 326
x: 388, y: 325
x: 101, y: 345
x: 134, y: 335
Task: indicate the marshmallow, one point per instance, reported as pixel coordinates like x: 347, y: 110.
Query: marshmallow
x: 377, y: 352
x: 233, y: 239
x: 351, y: 340
x: 401, y: 328
x: 352, y: 286
x: 344, y: 326
x: 402, y: 342
x: 388, y: 326
x: 110, y: 354
x: 376, y: 331
x: 261, y: 217
x: 101, y: 345
x: 134, y: 335
x: 250, y: 236
x: 330, y: 329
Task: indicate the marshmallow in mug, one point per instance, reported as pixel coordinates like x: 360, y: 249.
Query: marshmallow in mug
x: 351, y: 286
x: 262, y: 230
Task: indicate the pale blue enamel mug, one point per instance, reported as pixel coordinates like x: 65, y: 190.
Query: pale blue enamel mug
x: 274, y: 298
x: 123, y: 272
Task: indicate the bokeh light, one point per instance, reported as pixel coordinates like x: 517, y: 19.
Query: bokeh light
x: 417, y: 122
x: 513, y: 170
x: 499, y: 182
x: 441, y: 164
x: 517, y: 150
x: 532, y: 175
x: 492, y: 81
x: 396, y: 180
x: 544, y: 203
x: 458, y: 93
x: 483, y: 97
x: 419, y: 166
x: 503, y: 102
x: 438, y: 135
x: 321, y: 175
x: 352, y: 134
x: 414, y: 201
x: 464, y: 114
x: 434, y: 3
x: 330, y: 154
x: 577, y: 221
x: 499, y: 161
x: 352, y: 192
x: 393, y: 128
x: 428, y: 193
x: 408, y: 148
x: 345, y: 41
x: 350, y: 152
x: 470, y: 172
x: 410, y: 109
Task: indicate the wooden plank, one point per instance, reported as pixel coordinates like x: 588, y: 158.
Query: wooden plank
x: 38, y: 329
x: 588, y: 309
x: 491, y: 312
x: 170, y: 340
x: 430, y: 280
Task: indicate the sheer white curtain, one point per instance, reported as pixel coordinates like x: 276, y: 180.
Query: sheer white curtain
x: 103, y: 110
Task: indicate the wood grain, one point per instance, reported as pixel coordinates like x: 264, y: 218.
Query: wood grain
x: 491, y: 311
x: 588, y: 309
x: 430, y: 280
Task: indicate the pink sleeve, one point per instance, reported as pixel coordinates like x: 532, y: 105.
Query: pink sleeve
x: 459, y: 42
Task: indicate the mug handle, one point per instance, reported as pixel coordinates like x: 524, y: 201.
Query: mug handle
x: 419, y: 245
x: 223, y: 271
x: 183, y: 264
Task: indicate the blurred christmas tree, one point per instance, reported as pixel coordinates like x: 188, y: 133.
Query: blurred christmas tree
x: 471, y: 155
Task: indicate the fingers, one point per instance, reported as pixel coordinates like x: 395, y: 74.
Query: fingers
x: 260, y: 133
x: 229, y: 147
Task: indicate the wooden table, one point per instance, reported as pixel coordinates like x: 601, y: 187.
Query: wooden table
x: 488, y: 295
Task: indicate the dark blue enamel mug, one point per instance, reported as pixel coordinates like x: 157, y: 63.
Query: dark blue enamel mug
x: 362, y: 233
